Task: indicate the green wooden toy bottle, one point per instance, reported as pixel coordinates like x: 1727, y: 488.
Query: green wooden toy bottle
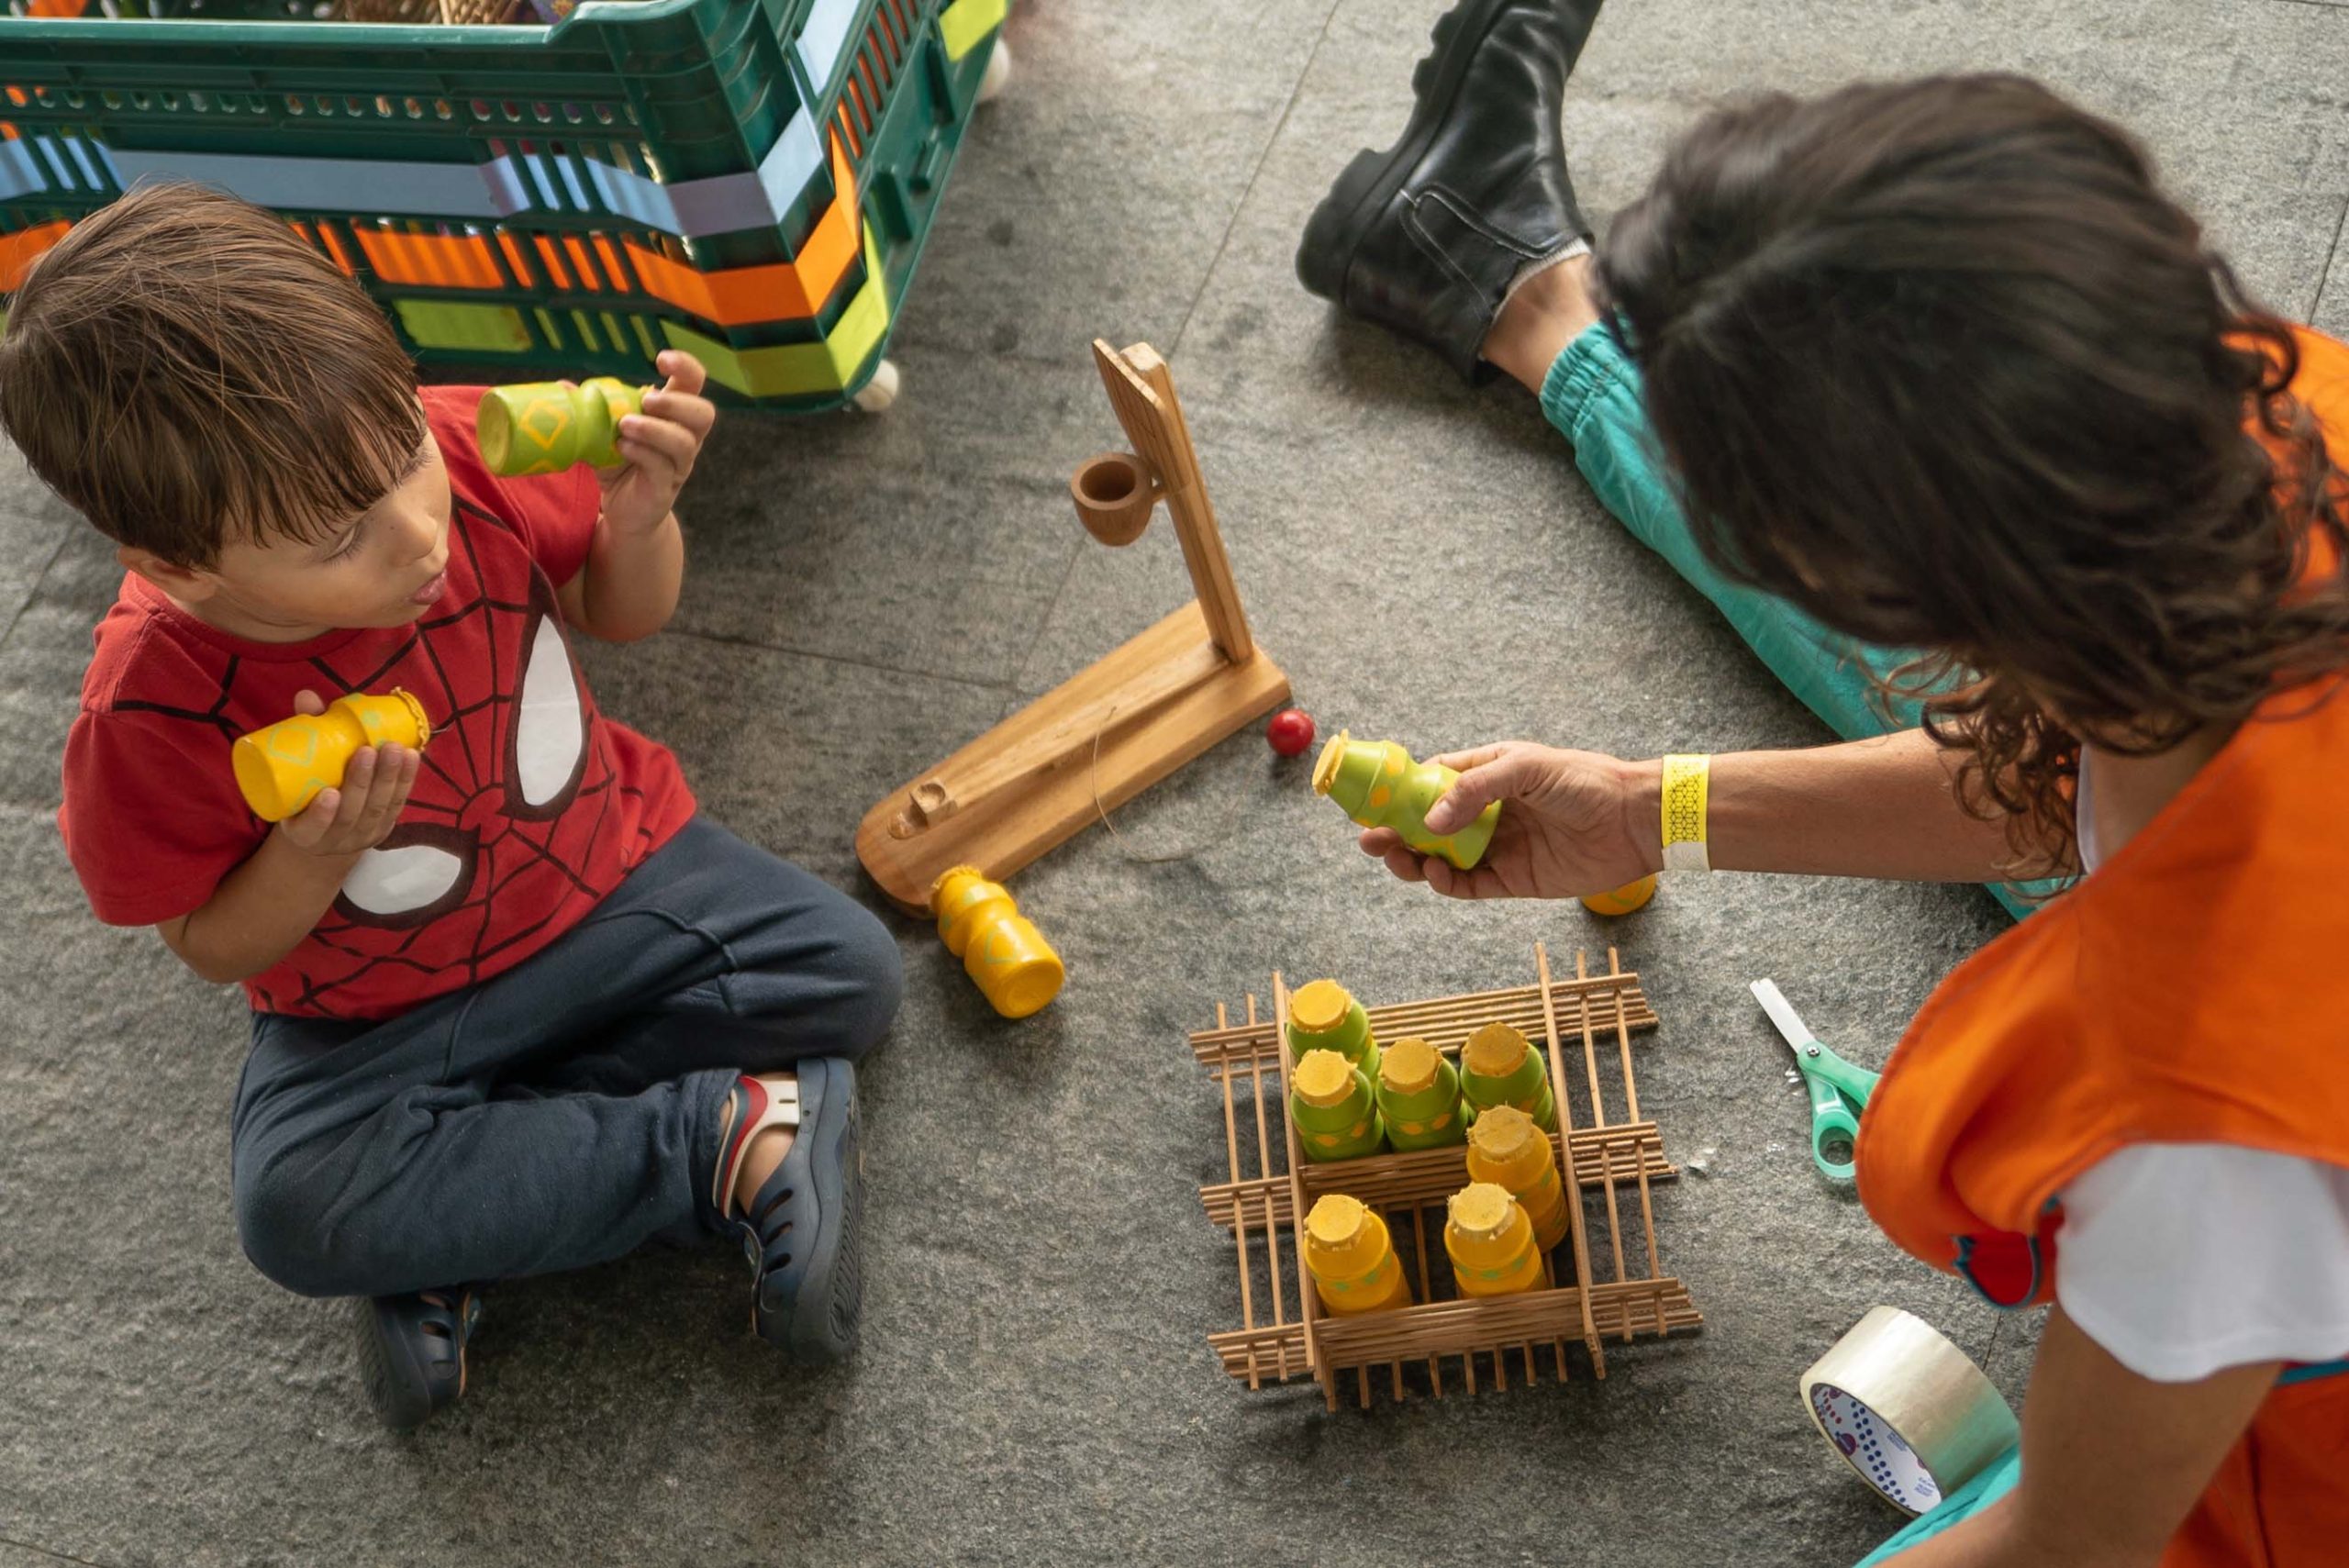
x: 1380, y: 786
x: 1499, y: 1066
x: 1336, y: 1115
x: 545, y: 427
x: 1323, y: 1016
x: 1419, y: 1096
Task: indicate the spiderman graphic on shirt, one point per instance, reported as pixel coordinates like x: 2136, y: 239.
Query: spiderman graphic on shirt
x: 528, y: 809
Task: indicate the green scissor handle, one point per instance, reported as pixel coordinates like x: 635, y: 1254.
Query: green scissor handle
x: 1839, y: 1091
x: 1834, y: 1114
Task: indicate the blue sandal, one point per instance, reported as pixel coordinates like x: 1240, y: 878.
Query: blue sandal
x: 801, y: 1229
x: 412, y: 1352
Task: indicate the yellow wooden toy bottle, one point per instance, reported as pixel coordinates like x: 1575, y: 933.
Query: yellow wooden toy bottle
x: 1623, y: 900
x: 1499, y: 1066
x: 1323, y: 1016
x: 1419, y: 1095
x: 1352, y: 1258
x: 1336, y: 1115
x: 545, y: 427
x: 1506, y: 1148
x: 1380, y: 786
x: 1015, y: 968
x: 1491, y: 1242
x: 282, y: 767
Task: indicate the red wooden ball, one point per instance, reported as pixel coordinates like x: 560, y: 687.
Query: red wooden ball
x: 1290, y: 732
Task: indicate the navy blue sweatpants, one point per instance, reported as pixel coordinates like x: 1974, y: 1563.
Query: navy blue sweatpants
x: 566, y: 1111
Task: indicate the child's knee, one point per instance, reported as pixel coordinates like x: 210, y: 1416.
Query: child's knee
x: 870, y: 977
x: 281, y: 1221
x: 293, y: 1230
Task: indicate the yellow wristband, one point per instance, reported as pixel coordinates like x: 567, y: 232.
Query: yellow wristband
x: 1684, y: 782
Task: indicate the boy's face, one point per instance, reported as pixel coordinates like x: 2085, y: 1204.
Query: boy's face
x: 382, y: 568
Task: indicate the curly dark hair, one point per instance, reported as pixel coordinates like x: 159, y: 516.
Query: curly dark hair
x: 1938, y: 362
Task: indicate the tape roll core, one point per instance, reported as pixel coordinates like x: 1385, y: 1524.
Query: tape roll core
x: 1907, y: 1409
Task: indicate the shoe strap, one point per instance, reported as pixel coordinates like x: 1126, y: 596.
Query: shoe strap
x: 750, y: 1108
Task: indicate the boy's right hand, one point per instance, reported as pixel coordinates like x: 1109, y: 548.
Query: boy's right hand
x: 355, y: 819
x: 1573, y: 823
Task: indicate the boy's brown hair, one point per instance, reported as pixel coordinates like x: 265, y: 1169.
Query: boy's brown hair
x: 184, y: 370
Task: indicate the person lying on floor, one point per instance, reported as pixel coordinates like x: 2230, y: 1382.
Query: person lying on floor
x: 1930, y: 383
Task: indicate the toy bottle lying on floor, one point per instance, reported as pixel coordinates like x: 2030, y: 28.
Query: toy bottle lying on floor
x: 1323, y: 1016
x: 1352, y: 1258
x: 1499, y: 1066
x: 1380, y: 786
x: 1419, y: 1096
x: 282, y: 767
x: 1491, y: 1242
x: 545, y: 427
x: 1331, y: 1101
x: 1506, y: 1148
x: 1010, y: 960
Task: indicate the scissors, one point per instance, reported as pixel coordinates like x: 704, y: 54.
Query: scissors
x: 1839, y: 1091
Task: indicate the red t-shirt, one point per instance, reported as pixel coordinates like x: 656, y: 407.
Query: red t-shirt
x: 530, y: 807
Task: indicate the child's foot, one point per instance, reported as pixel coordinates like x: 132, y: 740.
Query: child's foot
x: 799, y: 1223
x: 412, y: 1352
x: 1426, y: 237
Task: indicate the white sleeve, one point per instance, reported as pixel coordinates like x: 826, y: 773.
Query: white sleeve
x: 2183, y: 1258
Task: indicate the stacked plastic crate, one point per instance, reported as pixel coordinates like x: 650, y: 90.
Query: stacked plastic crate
x: 751, y: 180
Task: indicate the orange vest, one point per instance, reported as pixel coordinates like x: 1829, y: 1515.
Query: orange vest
x: 2195, y: 989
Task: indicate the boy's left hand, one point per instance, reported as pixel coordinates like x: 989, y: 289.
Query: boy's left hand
x: 660, y: 445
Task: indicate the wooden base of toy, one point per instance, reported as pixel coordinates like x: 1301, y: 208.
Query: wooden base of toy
x: 1097, y: 740
x: 1616, y: 1157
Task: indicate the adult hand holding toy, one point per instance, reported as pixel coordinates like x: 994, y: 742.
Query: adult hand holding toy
x: 1567, y: 831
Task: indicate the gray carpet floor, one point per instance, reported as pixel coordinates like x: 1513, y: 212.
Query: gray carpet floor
x: 865, y: 593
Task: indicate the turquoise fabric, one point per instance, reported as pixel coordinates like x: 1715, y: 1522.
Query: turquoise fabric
x: 1592, y: 395
x: 1963, y: 1504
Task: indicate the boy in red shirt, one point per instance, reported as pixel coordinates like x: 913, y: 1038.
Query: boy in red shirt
x: 516, y: 1008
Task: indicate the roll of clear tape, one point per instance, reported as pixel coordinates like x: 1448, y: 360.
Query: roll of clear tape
x: 1907, y: 1409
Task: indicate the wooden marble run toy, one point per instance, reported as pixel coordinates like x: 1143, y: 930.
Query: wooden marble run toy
x: 1103, y: 737
x: 1612, y: 1154
x: 546, y: 427
x: 282, y: 767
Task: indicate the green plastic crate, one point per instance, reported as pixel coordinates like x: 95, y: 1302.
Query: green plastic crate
x: 532, y: 199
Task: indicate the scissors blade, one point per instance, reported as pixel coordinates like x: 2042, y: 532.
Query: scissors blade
x: 1782, y: 1013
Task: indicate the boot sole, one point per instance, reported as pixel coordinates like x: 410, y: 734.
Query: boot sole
x: 401, y: 1395
x: 821, y: 1324
x: 1370, y: 182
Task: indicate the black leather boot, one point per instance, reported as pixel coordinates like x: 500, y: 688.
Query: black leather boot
x: 1426, y: 236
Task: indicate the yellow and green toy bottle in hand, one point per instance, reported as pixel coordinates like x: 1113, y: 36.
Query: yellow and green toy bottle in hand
x: 1380, y: 786
x: 545, y: 427
x: 1352, y: 1258
x: 282, y: 767
x: 1010, y: 960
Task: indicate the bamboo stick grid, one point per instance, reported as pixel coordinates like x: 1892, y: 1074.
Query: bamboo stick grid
x: 1615, y: 1155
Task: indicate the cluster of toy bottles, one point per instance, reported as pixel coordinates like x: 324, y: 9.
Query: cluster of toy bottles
x: 1496, y: 1245
x: 1350, y: 1097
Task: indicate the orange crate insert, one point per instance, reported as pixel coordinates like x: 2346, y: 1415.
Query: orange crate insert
x: 1606, y: 1282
